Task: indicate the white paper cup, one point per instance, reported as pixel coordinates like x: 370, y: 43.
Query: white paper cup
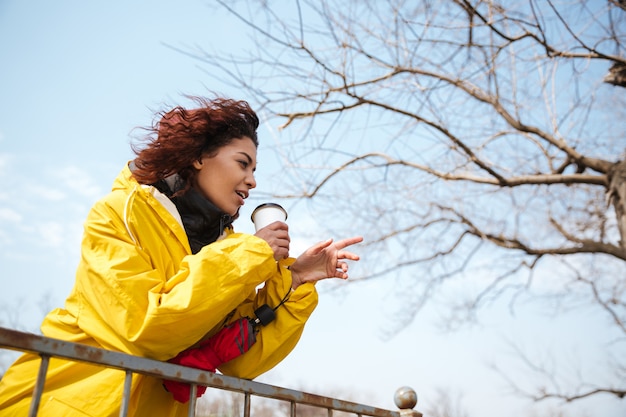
x: 268, y: 213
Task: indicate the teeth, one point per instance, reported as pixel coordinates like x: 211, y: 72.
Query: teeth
x: 240, y: 194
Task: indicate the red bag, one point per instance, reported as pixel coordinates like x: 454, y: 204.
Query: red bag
x: 229, y: 343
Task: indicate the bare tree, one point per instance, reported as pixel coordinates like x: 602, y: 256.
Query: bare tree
x: 217, y: 402
x: 471, y: 141
x: 446, y: 405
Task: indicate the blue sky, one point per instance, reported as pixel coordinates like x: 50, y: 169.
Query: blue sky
x: 75, y: 79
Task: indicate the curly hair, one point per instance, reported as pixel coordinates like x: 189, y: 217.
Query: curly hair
x: 183, y: 136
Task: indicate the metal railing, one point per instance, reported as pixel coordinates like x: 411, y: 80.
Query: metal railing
x: 405, y: 398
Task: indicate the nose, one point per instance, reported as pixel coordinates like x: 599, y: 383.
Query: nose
x: 250, y: 181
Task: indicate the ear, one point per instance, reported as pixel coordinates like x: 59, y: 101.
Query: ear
x: 197, y: 164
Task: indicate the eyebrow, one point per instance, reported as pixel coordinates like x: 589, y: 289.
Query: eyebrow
x: 246, y: 155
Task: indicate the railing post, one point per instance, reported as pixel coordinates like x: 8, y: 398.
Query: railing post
x: 41, y: 380
x: 246, y: 405
x: 191, y: 412
x: 405, y: 399
x: 128, y: 379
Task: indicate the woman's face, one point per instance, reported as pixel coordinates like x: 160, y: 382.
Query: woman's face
x: 227, y: 177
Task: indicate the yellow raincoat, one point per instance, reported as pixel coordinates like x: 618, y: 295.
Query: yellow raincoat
x: 139, y: 290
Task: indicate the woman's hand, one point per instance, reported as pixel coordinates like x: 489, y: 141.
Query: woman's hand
x: 277, y: 236
x: 323, y: 260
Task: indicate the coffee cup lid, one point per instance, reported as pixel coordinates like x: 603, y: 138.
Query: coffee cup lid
x: 264, y: 205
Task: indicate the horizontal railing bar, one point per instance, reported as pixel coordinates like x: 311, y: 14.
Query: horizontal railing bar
x: 28, y: 342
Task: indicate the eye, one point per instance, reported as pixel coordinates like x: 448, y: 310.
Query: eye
x: 243, y: 163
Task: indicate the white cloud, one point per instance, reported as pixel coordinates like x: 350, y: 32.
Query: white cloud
x: 5, y: 238
x: 42, y: 205
x: 45, y: 192
x: 8, y: 215
x: 5, y: 160
x: 78, y: 180
x: 51, y: 234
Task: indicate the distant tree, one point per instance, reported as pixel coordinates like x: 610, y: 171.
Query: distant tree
x: 476, y: 144
x: 10, y: 315
x: 446, y: 406
x: 219, y: 403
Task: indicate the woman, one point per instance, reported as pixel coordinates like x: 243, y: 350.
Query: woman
x: 162, y: 270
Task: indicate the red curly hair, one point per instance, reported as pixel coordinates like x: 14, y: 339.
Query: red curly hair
x: 183, y: 136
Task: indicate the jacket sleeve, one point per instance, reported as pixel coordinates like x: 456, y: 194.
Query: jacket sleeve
x: 150, y: 297
x: 276, y: 340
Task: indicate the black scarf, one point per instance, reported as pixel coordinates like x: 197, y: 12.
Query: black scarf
x: 202, y: 220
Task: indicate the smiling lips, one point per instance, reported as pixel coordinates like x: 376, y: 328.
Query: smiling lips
x: 242, y: 195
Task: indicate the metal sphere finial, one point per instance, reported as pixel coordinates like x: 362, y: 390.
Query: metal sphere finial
x: 405, y: 398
